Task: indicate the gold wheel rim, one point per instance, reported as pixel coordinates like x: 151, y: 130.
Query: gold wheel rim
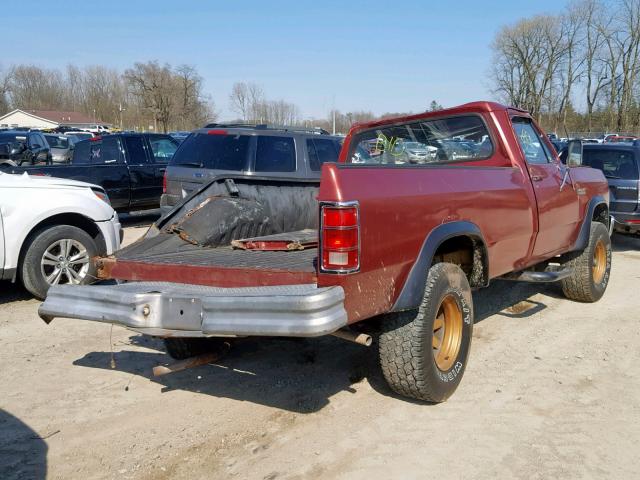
x: 599, y: 262
x: 447, y: 333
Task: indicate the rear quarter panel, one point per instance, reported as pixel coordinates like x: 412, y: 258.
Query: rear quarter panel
x: 399, y: 207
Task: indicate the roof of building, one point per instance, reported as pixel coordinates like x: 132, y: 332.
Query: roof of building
x: 61, y: 117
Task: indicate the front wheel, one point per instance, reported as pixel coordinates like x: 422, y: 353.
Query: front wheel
x: 591, y: 268
x: 58, y: 255
x: 423, y: 353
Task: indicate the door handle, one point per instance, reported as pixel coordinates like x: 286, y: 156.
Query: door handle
x: 536, y: 178
x: 162, y: 170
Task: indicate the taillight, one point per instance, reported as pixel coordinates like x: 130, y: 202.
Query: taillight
x: 339, y: 237
x: 217, y: 132
x: 164, y: 182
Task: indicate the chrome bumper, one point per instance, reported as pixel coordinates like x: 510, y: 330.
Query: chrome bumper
x: 172, y: 309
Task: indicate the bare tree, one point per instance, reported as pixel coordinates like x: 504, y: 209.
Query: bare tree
x: 153, y: 85
x: 239, y: 99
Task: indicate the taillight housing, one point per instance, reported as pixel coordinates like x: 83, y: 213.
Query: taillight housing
x: 164, y: 182
x: 339, y: 237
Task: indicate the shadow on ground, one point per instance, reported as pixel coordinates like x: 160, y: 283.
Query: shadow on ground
x: 298, y: 375
x: 13, y: 292
x: 23, y: 453
x: 625, y: 243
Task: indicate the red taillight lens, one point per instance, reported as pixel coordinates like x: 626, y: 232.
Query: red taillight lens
x: 340, y: 239
x: 339, y: 217
x: 164, y: 182
x: 217, y: 132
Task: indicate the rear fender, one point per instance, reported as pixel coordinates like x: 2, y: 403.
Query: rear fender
x: 413, y: 289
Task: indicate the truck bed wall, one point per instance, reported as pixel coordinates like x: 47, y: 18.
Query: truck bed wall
x: 221, y: 212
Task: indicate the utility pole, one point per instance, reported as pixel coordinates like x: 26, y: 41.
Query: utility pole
x: 120, y: 109
x: 333, y: 111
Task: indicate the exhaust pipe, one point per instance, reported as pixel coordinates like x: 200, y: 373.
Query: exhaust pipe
x: 355, y: 337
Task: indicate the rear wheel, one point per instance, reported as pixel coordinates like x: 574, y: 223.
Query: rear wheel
x: 180, y: 348
x: 591, y: 269
x: 423, y: 353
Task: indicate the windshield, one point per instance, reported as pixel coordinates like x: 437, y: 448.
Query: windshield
x: 218, y: 152
x: 55, y: 141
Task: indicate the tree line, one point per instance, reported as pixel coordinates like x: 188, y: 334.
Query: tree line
x: 577, y: 71
x: 144, y: 96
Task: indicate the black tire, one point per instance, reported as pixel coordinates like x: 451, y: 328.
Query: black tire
x: 30, y: 268
x: 410, y: 361
x: 590, y: 276
x: 180, y: 348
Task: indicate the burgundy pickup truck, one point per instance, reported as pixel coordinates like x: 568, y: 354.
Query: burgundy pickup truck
x: 417, y: 213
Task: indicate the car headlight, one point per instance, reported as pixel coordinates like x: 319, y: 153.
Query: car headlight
x: 102, y: 195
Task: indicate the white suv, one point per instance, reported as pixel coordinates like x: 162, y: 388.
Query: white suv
x: 50, y: 229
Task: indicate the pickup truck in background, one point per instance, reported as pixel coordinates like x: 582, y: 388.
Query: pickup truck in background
x: 130, y: 167
x: 382, y: 236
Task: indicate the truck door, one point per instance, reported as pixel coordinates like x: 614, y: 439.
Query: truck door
x: 104, y: 158
x: 144, y: 191
x: 558, y: 206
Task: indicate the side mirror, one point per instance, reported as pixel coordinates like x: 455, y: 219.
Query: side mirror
x: 574, y: 153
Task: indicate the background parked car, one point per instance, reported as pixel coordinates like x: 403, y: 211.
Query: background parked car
x: 232, y: 149
x: 51, y: 228
x: 19, y: 147
x: 61, y: 147
x: 78, y: 135
x: 130, y: 167
x: 620, y: 164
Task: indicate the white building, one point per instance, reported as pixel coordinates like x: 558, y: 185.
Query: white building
x: 44, y: 119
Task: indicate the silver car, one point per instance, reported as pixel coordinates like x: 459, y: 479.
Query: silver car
x: 61, y: 148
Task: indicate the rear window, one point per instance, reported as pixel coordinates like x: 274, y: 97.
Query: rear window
x: 275, y: 154
x: 322, y: 150
x: 217, y: 152
x: 106, y: 151
x: 460, y: 138
x: 613, y: 163
x: 81, y: 153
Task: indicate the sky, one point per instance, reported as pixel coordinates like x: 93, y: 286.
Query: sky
x: 380, y: 56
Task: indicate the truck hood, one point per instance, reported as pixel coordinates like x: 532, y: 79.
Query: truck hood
x: 25, y: 180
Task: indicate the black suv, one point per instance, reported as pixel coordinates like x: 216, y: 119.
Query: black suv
x: 18, y: 147
x: 238, y: 149
x: 620, y: 164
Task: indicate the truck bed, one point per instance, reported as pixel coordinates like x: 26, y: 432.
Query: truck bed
x: 220, y: 266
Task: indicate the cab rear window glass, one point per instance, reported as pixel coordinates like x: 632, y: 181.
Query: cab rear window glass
x: 460, y: 138
x: 275, y: 154
x: 217, y: 152
x: 613, y: 163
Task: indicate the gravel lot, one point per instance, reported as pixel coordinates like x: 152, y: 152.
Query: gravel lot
x: 552, y: 391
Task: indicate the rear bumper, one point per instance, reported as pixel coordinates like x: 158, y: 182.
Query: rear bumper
x: 172, y: 309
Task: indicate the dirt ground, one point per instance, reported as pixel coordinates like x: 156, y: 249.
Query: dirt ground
x: 552, y: 391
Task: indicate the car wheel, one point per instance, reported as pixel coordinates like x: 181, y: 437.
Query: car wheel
x: 58, y: 255
x: 591, y: 268
x: 423, y: 353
